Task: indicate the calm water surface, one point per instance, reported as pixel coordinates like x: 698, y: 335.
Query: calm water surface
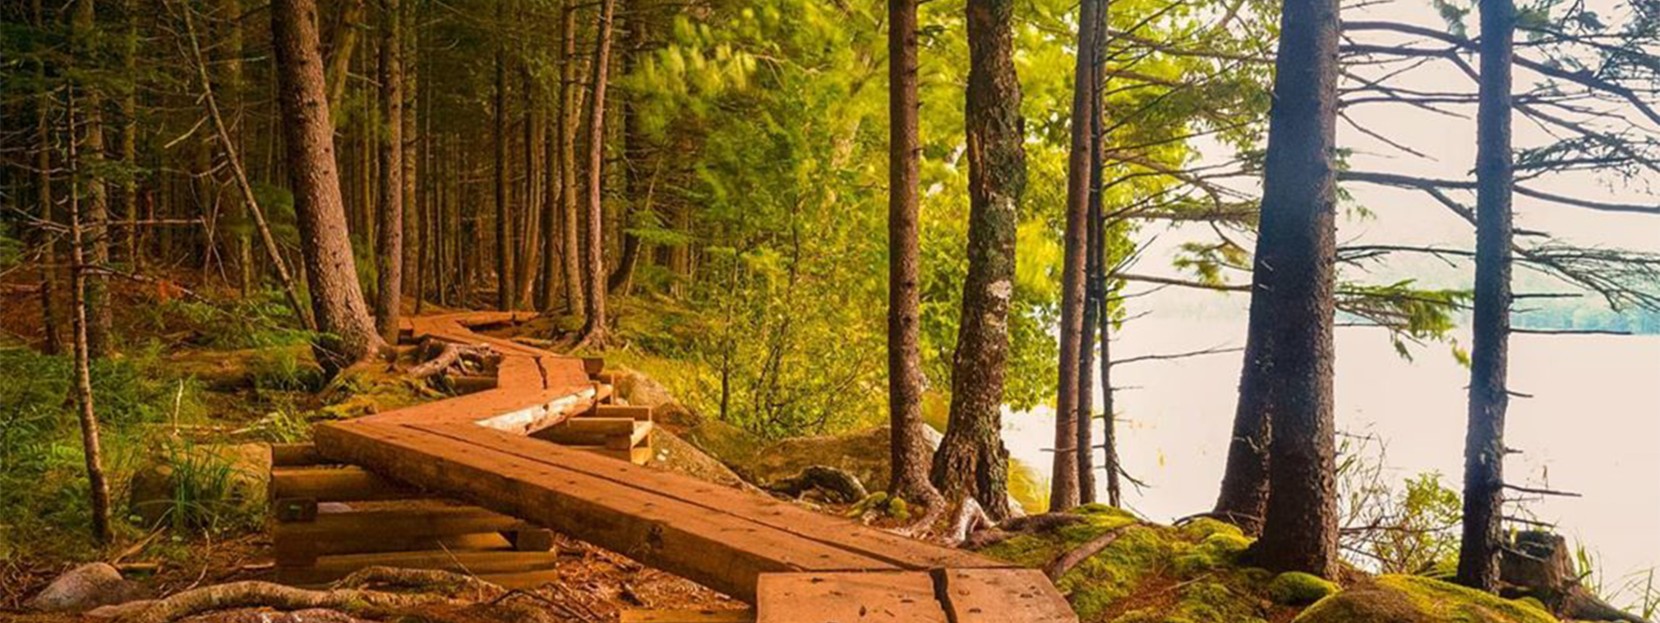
x: 1592, y: 425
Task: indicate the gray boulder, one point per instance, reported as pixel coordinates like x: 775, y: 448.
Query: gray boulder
x: 84, y: 588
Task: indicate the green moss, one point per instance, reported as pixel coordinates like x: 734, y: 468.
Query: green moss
x: 1150, y: 573
x: 1412, y: 599
x: 1295, y: 588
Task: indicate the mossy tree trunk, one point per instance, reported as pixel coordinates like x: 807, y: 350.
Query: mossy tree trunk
x: 972, y: 461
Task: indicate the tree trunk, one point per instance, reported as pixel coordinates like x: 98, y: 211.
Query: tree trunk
x: 233, y: 155
x: 552, y: 198
x: 1063, y: 484
x: 412, y: 239
x: 594, y: 330
x: 389, y: 231
x: 340, y: 52
x: 321, y: 215
x: 95, y: 217
x: 43, y: 195
x: 129, y: 121
x: 1288, y: 365
x: 504, y: 218
x: 1095, y: 277
x: 971, y: 460
x: 908, y: 446
x: 570, y: 98
x: 1478, y: 559
x: 98, y: 488
x: 1109, y: 417
x: 530, y: 251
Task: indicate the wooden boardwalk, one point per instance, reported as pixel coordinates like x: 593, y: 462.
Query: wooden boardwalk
x: 797, y: 566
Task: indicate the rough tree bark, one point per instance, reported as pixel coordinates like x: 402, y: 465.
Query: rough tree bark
x: 908, y: 448
x: 412, y: 239
x: 570, y: 103
x: 389, y: 232
x: 1478, y: 558
x: 1063, y: 484
x: 972, y: 461
x: 43, y: 195
x: 97, y: 487
x: 340, y: 52
x: 336, y: 300
x: 95, y: 217
x: 594, y: 322
x: 1287, y: 376
x: 504, y: 218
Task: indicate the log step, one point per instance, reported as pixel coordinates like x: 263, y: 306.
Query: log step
x: 687, y: 616
x: 613, y: 433
x: 334, y: 484
x: 504, y: 567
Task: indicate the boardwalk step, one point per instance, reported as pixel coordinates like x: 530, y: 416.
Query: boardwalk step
x: 504, y: 566
x: 687, y: 616
x: 333, y: 484
x: 840, y: 597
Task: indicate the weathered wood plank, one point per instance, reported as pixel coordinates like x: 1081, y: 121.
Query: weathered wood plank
x: 1003, y: 596
x: 425, y: 521
x: 687, y: 616
x: 715, y: 499
x: 712, y: 549
x: 334, y: 484
x: 294, y: 455
x: 850, y: 597
x: 633, y: 412
x: 481, y: 563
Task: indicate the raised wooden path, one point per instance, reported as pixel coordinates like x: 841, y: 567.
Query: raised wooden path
x: 795, y: 565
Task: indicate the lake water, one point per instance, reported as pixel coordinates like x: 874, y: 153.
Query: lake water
x: 1592, y: 425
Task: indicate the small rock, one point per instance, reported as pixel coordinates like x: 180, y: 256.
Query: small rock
x: 84, y: 588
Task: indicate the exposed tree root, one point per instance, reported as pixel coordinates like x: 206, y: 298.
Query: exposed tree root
x: 837, y: 483
x: 970, y: 518
x: 1069, y: 559
x: 439, y: 596
x: 359, y: 603
x: 452, y: 357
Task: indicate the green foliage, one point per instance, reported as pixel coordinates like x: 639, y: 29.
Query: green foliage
x: 262, y: 319
x: 206, y: 493
x: 43, y: 502
x: 284, y: 369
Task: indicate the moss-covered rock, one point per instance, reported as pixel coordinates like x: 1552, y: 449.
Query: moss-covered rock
x: 1295, y: 588
x: 1151, y: 573
x: 1413, y: 599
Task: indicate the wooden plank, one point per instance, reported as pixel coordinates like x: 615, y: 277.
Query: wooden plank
x: 713, y: 498
x: 330, y: 568
x: 1003, y: 596
x: 712, y: 549
x: 426, y: 521
x: 687, y: 616
x: 613, y: 433
x: 294, y: 455
x: 532, y: 540
x: 334, y: 484
x: 633, y: 412
x: 849, y: 597
x: 302, y: 550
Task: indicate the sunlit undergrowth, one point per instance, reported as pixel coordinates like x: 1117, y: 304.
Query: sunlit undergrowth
x: 43, y: 490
